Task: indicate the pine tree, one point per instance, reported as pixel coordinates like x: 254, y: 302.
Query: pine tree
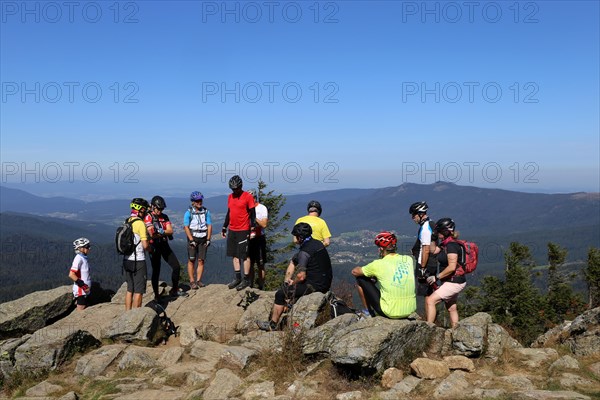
x: 562, y: 302
x: 592, y: 277
x: 524, y: 304
x: 275, y: 233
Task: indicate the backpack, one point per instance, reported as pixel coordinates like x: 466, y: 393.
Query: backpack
x: 338, y: 307
x: 471, y: 255
x: 125, y: 238
x: 166, y: 323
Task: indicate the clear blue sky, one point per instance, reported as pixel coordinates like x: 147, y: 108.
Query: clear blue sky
x: 311, y: 95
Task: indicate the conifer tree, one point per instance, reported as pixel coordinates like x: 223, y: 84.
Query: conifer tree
x: 592, y: 277
x: 562, y: 302
x: 524, y: 303
x: 275, y: 233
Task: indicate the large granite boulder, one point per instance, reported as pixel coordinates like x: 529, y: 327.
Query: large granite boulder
x: 48, y: 349
x: 581, y: 336
x: 375, y: 344
x: 34, y: 311
x: 138, y: 324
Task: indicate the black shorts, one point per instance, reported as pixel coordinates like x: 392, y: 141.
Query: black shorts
x: 198, y: 251
x: 237, y: 244
x: 258, y: 250
x: 136, y: 280
x: 81, y: 300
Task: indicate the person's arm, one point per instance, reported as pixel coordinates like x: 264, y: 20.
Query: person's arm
x: 425, y: 249
x: 252, y: 213
x: 289, y: 273
x: 225, y: 224
x: 326, y: 242
x: 357, y: 271
x: 262, y: 222
x: 168, y: 228
x: 449, y: 270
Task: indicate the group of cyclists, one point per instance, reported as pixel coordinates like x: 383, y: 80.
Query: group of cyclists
x: 387, y: 287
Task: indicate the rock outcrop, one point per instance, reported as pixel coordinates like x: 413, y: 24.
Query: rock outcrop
x: 219, y: 353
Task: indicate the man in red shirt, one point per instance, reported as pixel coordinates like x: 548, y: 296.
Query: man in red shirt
x: 240, y: 220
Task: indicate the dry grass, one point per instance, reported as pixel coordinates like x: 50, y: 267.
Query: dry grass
x: 20, y: 381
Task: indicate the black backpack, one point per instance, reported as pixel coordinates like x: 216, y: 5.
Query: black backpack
x: 339, y: 307
x: 125, y: 238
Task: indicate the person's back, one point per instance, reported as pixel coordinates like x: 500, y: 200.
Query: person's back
x: 319, y: 273
x: 319, y: 226
x: 396, y: 279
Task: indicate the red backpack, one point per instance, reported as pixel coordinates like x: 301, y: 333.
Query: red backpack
x: 471, y: 255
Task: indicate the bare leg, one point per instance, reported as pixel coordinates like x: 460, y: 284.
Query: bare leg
x: 236, y: 264
x: 190, y: 267
x: 276, y: 313
x: 128, y: 301
x: 247, y: 266
x: 453, y: 311
x: 430, y: 307
x: 200, y: 270
x: 361, y: 294
x: 137, y: 300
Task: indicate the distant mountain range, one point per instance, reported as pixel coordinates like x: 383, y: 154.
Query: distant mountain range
x: 476, y: 211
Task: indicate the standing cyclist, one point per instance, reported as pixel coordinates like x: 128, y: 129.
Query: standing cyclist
x: 258, y: 244
x: 240, y: 220
x: 160, y: 231
x: 80, y: 272
x: 422, y: 250
x: 134, y: 265
x: 198, y: 229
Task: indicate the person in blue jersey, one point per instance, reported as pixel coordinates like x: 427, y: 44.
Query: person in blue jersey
x: 198, y: 229
x: 422, y: 250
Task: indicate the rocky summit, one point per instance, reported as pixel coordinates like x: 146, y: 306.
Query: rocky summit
x: 48, y: 351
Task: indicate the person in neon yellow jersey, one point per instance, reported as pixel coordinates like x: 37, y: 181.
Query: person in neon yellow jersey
x: 393, y: 293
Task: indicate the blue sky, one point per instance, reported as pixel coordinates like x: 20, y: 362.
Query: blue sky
x: 105, y: 97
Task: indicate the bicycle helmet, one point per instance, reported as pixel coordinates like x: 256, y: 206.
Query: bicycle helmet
x: 158, y: 202
x: 139, y: 204
x: 420, y: 207
x: 196, y: 196
x: 314, y: 206
x: 302, y: 230
x: 235, y: 182
x: 445, y: 224
x: 385, y: 239
x: 81, y: 242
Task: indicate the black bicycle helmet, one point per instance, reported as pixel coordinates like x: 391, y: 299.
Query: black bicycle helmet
x: 313, y: 206
x: 445, y: 224
x: 235, y: 182
x: 158, y: 202
x: 302, y: 230
x: 138, y: 204
x: 420, y: 207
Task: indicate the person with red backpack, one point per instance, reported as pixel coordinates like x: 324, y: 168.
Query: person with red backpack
x: 450, y: 280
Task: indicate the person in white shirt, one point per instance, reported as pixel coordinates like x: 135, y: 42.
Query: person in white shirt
x: 80, y: 273
x: 258, y: 243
